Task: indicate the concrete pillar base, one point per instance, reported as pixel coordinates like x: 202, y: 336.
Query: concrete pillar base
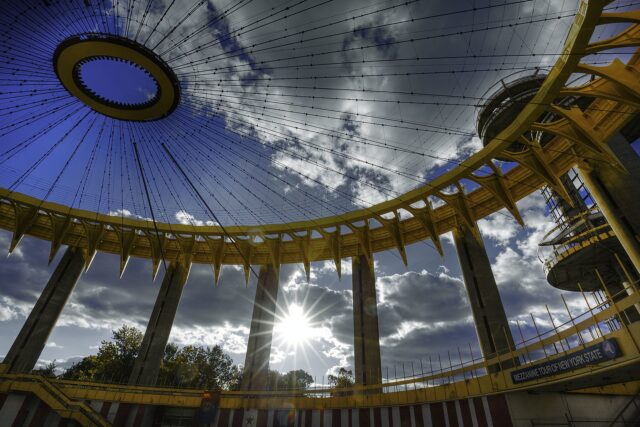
x: 616, y: 215
x: 26, y: 349
x: 256, y: 367
x: 623, y: 187
x: 147, y: 365
x: 366, y: 341
x: 490, y: 319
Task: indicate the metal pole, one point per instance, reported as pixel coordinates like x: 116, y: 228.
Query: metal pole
x: 473, y: 360
x: 466, y: 386
x: 575, y: 328
x: 586, y: 300
x: 523, y: 343
x: 555, y: 330
x: 535, y: 325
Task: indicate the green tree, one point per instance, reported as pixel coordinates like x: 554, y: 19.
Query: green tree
x: 190, y: 366
x: 114, y: 361
x: 84, y: 370
x: 199, y: 367
x: 344, y: 379
x: 298, y: 379
x: 49, y: 370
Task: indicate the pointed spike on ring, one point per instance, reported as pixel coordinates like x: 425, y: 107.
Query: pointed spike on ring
x: 496, y: 185
x: 334, y: 239
x: 216, y: 274
x: 16, y: 238
x: 304, y: 242
x: 338, y: 264
x: 60, y: 226
x: 25, y: 218
x: 156, y: 241
x: 155, y: 267
x: 245, y: 250
x: 424, y: 217
x: 458, y: 203
x: 89, y: 256
x: 247, y: 270
x: 394, y: 228
x: 216, y: 246
x: 123, y: 266
x: 127, y: 238
x: 307, y: 270
x: 93, y: 233
x: 364, y: 242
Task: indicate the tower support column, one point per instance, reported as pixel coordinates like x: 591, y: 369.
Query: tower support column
x: 147, y: 365
x: 256, y: 366
x: 617, y: 215
x: 26, y: 349
x: 366, y: 340
x: 617, y: 194
x: 623, y: 187
x: 489, y: 316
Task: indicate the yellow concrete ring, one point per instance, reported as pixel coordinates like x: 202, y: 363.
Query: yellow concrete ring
x: 78, y: 49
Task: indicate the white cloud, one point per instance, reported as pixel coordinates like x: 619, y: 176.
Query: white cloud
x: 11, y: 309
x: 330, y: 267
x: 232, y: 338
x: 500, y: 227
x: 184, y: 217
x: 52, y: 344
x: 126, y: 213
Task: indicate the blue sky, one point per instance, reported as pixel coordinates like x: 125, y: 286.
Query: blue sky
x: 281, y: 118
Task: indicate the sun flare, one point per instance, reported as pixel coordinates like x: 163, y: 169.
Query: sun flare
x: 294, y: 328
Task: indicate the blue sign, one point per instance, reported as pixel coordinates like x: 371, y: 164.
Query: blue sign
x: 606, y: 350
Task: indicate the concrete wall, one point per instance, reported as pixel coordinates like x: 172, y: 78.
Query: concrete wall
x: 567, y: 409
x: 490, y: 411
x: 523, y: 409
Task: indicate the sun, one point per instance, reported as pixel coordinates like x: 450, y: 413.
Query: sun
x: 294, y: 328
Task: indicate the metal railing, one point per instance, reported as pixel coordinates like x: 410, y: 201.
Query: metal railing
x: 454, y: 380
x: 459, y: 379
x: 53, y: 396
x: 573, y: 235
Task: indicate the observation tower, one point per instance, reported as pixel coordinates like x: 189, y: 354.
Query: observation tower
x: 582, y: 252
x: 217, y: 153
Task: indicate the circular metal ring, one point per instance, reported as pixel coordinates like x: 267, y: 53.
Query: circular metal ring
x: 77, y: 50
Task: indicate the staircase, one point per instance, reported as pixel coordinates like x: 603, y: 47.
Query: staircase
x: 80, y: 412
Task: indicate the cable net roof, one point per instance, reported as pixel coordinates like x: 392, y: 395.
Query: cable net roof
x: 289, y: 110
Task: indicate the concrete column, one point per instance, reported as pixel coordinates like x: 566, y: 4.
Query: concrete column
x: 366, y: 339
x: 623, y: 187
x: 617, y: 194
x: 256, y: 366
x: 490, y: 319
x: 26, y: 349
x: 147, y: 365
